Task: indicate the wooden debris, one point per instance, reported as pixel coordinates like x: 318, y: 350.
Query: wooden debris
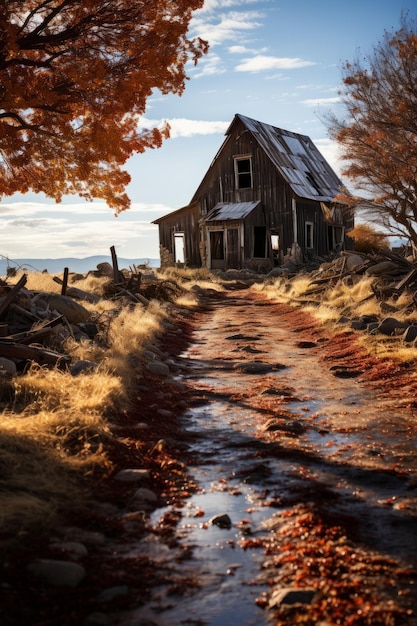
x: 34, y: 322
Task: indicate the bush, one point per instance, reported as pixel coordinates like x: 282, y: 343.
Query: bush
x: 367, y: 239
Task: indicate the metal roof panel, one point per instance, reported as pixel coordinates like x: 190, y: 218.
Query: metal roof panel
x: 297, y: 159
x: 230, y: 211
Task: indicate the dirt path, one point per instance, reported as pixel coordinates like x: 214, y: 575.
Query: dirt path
x: 311, y: 470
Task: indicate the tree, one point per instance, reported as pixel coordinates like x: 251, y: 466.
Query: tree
x: 378, y: 138
x: 367, y: 239
x: 75, y: 76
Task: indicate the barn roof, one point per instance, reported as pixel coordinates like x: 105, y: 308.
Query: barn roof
x: 297, y: 159
x: 230, y: 211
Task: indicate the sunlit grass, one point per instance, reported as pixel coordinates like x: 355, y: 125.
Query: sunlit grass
x: 328, y: 304
x: 54, y: 427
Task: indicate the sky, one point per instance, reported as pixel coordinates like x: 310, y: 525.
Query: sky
x: 277, y: 61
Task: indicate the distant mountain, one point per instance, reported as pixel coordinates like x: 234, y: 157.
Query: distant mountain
x: 57, y: 266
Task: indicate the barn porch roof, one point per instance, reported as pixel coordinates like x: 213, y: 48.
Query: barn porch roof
x: 230, y: 211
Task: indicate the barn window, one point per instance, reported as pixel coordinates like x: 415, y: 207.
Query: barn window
x: 179, y: 247
x: 259, y: 242
x: 217, y: 245
x: 243, y: 172
x: 309, y: 235
x: 275, y: 242
x: 335, y: 236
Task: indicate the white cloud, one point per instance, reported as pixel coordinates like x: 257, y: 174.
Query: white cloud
x: 27, y: 209
x: 189, y: 128
x: 210, y: 65
x: 48, y: 230
x: 245, y: 50
x: 312, y: 102
x: 212, y: 5
x: 261, y: 63
x: 330, y: 150
x: 227, y: 27
x: 182, y: 127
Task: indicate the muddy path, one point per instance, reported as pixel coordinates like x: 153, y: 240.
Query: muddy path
x: 305, y: 479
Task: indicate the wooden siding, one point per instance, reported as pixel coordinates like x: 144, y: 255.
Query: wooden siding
x: 182, y: 221
x: 275, y: 176
x: 275, y: 211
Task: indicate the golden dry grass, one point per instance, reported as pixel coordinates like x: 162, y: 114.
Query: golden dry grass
x: 352, y: 301
x: 54, y: 427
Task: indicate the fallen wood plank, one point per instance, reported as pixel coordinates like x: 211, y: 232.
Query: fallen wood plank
x: 4, y: 305
x: 24, y: 313
x: 137, y: 297
x: 42, y: 356
x: 407, y: 280
x: 39, y: 333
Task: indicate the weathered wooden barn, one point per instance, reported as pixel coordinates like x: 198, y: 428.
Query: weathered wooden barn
x: 267, y: 196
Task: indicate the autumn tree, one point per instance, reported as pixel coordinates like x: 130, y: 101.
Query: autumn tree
x: 368, y: 239
x: 75, y: 76
x: 378, y: 135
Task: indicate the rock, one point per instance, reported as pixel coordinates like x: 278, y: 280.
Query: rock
x: 57, y: 573
x: 384, y: 267
x: 82, y: 367
x: 358, y: 325
x: 158, y: 368
x: 343, y: 319
x: 222, y: 521
x: 98, y: 619
x: 353, y: 260
x: 258, y: 367
x: 80, y: 535
x: 74, y: 312
x: 133, y: 475
x: 344, y: 371
x: 105, y: 269
x: 410, y: 334
x: 389, y: 325
x: 292, y: 596
x: 72, y: 549
x: 164, y: 413
x: 113, y: 593
x: 145, y: 495
x: 7, y: 367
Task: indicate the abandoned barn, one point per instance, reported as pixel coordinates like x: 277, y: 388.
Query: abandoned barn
x: 268, y: 196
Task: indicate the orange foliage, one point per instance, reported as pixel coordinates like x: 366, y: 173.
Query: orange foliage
x: 75, y: 76
x: 378, y: 136
x: 367, y: 239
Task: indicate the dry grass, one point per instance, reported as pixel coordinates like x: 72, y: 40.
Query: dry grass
x: 328, y: 306
x: 54, y: 427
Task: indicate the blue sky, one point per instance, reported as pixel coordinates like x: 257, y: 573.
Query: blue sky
x: 278, y: 61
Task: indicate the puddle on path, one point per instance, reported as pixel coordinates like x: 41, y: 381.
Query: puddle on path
x: 349, y: 441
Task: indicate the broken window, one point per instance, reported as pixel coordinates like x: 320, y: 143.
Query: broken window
x: 335, y: 236
x: 259, y: 242
x: 243, y: 173
x: 217, y: 245
x: 309, y: 235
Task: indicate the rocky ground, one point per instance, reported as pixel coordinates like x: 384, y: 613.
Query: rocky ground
x: 339, y: 540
